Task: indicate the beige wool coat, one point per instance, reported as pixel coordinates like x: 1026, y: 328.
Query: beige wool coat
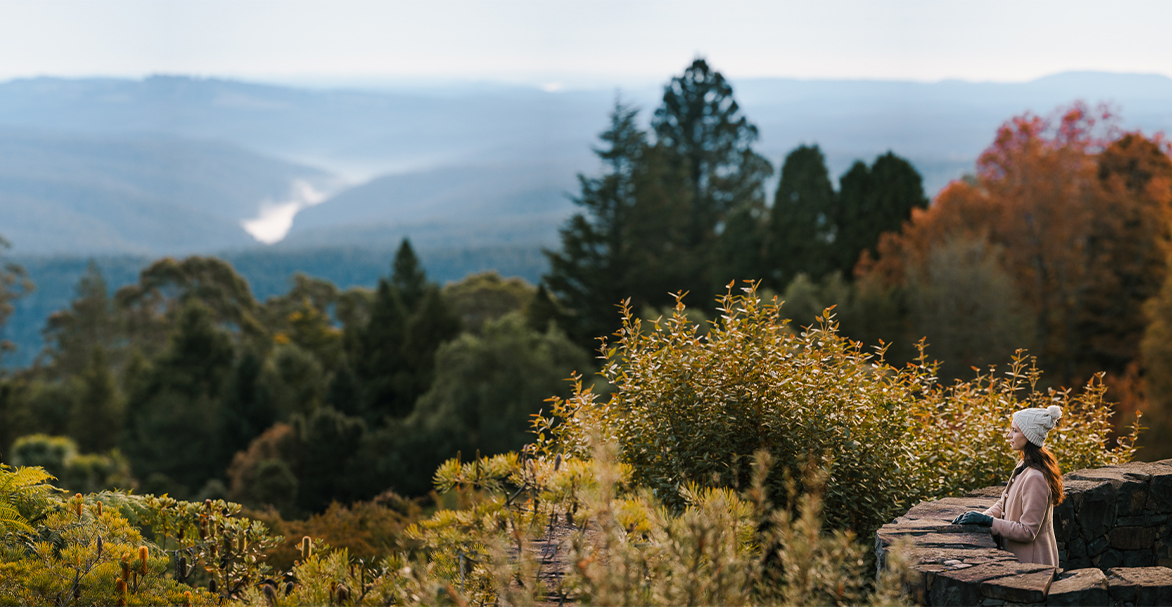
x: 1024, y: 518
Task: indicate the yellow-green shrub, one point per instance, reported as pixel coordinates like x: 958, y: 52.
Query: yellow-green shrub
x: 690, y: 409
x: 82, y: 553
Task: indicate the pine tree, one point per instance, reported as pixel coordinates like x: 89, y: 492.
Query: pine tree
x: 89, y: 322
x: 247, y: 409
x: 432, y: 325
x: 96, y: 420
x: 408, y: 277
x: 328, y: 441
x: 804, y: 218
x: 380, y: 365
x: 172, y: 418
x: 710, y: 141
x: 872, y: 201
x: 703, y: 126
x: 344, y: 393
x: 589, y: 273
x: 543, y: 309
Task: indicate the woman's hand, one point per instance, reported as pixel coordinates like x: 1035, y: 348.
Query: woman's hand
x: 973, y: 518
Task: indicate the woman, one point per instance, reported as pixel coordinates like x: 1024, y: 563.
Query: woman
x: 1024, y: 516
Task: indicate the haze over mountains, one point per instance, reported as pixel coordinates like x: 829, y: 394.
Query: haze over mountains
x: 175, y: 165
x: 478, y: 176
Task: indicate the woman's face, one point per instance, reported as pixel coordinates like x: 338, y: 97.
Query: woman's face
x: 1017, y: 440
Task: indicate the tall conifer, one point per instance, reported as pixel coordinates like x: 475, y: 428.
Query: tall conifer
x: 803, y: 219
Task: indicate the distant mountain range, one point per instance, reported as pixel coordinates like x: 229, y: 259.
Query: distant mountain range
x: 173, y: 165
x: 478, y: 176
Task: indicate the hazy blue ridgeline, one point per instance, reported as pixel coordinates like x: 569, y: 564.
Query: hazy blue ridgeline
x: 170, y: 165
x: 269, y: 273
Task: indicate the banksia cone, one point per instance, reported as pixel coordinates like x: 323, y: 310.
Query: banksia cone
x: 212, y: 586
x: 182, y: 567
x: 142, y: 558
x: 120, y: 590
x: 187, y: 599
x: 288, y: 588
x: 98, y: 507
x: 306, y: 548
x: 343, y: 594
x: 270, y: 593
x: 78, y: 501
x: 125, y: 568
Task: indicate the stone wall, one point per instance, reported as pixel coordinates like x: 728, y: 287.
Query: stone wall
x: 1114, y: 532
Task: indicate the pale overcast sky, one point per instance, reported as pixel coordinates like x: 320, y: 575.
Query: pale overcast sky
x: 599, y: 43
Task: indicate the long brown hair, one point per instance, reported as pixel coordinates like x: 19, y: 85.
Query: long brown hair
x: 1043, y: 459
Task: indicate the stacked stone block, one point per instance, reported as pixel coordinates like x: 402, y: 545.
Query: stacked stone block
x: 1114, y: 545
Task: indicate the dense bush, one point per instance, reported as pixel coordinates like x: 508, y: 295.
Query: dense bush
x: 85, y: 473
x: 691, y: 409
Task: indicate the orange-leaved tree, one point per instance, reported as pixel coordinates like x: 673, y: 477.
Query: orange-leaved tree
x: 1077, y: 213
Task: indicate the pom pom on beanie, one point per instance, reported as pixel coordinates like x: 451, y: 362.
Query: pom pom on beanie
x: 1036, y: 423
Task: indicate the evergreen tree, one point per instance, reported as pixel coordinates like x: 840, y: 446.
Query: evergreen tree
x: 173, y: 417
x: 96, y: 420
x: 89, y: 322
x: 328, y: 442
x: 702, y: 125
x: 247, y: 407
x: 344, y: 393
x: 432, y: 325
x: 544, y: 309
x: 408, y: 277
x: 380, y: 364
x: 873, y: 201
x: 590, y: 272
x: 803, y: 220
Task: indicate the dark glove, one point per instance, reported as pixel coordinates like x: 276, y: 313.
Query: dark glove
x: 973, y: 518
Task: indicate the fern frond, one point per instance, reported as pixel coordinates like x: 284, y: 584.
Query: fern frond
x: 11, y: 520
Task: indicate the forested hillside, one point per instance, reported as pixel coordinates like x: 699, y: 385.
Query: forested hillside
x: 649, y: 384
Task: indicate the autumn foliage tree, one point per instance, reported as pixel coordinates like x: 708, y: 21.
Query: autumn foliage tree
x: 1079, y: 213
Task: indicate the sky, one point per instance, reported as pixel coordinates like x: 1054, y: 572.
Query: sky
x: 558, y: 43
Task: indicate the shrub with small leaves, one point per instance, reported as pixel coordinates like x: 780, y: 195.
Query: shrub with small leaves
x: 692, y: 408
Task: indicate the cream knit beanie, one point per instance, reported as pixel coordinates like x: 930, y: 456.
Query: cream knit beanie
x: 1035, y: 423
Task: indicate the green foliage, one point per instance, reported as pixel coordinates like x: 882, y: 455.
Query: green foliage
x: 24, y: 493
x: 803, y: 224
x: 1156, y: 349
x: 327, y: 443
x: 872, y: 201
x: 408, y: 277
x: 81, y: 552
x: 967, y: 303
x: 88, y: 325
x: 487, y: 387
x: 97, y: 417
x: 368, y: 530
x: 693, y: 410
x: 483, y: 297
x: 600, y: 248
x: 623, y: 546
x: 58, y: 455
x: 173, y: 415
x: 379, y: 361
x: 14, y: 284
x: 702, y: 126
